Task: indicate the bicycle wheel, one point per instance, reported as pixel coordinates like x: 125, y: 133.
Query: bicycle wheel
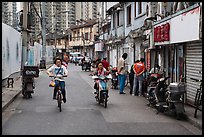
x: 59, y: 101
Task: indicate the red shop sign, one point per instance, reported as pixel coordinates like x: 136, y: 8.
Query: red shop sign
x: 161, y: 33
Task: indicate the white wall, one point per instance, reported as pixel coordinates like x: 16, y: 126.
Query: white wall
x: 11, y: 51
x: 35, y: 54
x: 135, y: 22
x: 183, y: 27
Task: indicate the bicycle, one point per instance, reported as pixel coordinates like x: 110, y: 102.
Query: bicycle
x: 59, y: 92
x: 198, y: 97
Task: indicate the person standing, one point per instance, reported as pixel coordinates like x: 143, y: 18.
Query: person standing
x: 139, y: 69
x: 131, y: 77
x: 122, y: 73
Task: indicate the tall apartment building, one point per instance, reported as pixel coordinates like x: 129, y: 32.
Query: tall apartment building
x: 87, y: 10
x: 58, y: 18
x: 37, y: 26
x: 72, y: 14
x: 9, y: 13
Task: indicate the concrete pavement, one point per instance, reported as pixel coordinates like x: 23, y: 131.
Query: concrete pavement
x: 9, y: 95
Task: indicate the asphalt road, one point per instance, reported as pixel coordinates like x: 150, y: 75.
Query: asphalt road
x: 81, y: 115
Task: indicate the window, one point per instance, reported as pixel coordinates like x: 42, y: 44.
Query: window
x: 139, y: 8
x: 118, y: 18
x: 86, y: 35
x: 129, y: 15
x: 59, y: 42
x: 113, y: 20
x: 78, y: 35
x: 135, y: 9
x: 90, y: 36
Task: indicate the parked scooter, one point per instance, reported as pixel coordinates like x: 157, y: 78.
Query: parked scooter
x: 114, y: 79
x: 28, y: 84
x: 168, y: 98
x: 153, y: 85
x: 102, y: 91
x: 152, y: 81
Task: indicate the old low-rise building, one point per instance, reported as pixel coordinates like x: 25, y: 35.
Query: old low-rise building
x: 83, y: 37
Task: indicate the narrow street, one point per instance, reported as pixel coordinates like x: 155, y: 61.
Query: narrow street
x: 81, y: 115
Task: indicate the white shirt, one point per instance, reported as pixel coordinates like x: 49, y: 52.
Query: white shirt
x: 121, y: 63
x: 54, y: 70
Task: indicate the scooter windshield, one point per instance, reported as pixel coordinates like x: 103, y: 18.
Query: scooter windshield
x: 103, y: 84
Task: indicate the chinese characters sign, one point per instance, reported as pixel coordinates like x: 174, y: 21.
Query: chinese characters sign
x: 162, y: 33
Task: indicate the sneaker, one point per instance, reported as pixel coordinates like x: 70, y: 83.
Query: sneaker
x: 133, y: 95
x: 54, y: 98
x: 122, y: 93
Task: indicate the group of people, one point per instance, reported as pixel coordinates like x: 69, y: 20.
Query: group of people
x: 136, y: 75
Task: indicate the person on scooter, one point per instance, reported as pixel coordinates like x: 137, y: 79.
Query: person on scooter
x: 155, y: 70
x: 106, y: 65
x: 155, y: 74
x: 100, y: 71
x: 58, y: 69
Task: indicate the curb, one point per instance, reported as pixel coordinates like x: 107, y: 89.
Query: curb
x: 11, y: 100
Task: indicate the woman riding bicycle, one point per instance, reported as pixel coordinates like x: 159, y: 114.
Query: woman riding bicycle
x: 58, y: 70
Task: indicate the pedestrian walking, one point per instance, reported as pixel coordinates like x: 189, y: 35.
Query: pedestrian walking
x: 122, y: 73
x: 139, y: 69
x: 131, y: 77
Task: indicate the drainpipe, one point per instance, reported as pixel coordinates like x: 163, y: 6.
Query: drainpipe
x: 173, y: 64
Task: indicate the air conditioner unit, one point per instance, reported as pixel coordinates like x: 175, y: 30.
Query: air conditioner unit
x: 151, y: 9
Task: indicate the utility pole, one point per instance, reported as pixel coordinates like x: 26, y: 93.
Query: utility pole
x: 43, y: 34
x: 24, y: 35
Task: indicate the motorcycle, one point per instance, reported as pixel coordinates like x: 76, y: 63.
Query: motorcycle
x: 151, y: 82
x: 86, y: 65
x: 28, y: 84
x: 102, y: 91
x: 114, y: 79
x: 168, y: 98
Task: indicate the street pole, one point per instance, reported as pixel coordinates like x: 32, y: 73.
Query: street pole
x: 24, y: 35
x: 43, y: 34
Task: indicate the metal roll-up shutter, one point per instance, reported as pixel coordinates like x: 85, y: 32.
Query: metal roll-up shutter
x: 193, y: 69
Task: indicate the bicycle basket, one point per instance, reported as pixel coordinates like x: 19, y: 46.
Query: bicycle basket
x: 52, y: 83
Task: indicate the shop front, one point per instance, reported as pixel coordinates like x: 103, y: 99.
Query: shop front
x: 179, y: 48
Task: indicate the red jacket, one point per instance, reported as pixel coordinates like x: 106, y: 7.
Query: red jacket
x: 105, y: 64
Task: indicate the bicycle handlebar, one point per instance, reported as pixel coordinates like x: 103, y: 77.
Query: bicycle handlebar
x: 58, y: 76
